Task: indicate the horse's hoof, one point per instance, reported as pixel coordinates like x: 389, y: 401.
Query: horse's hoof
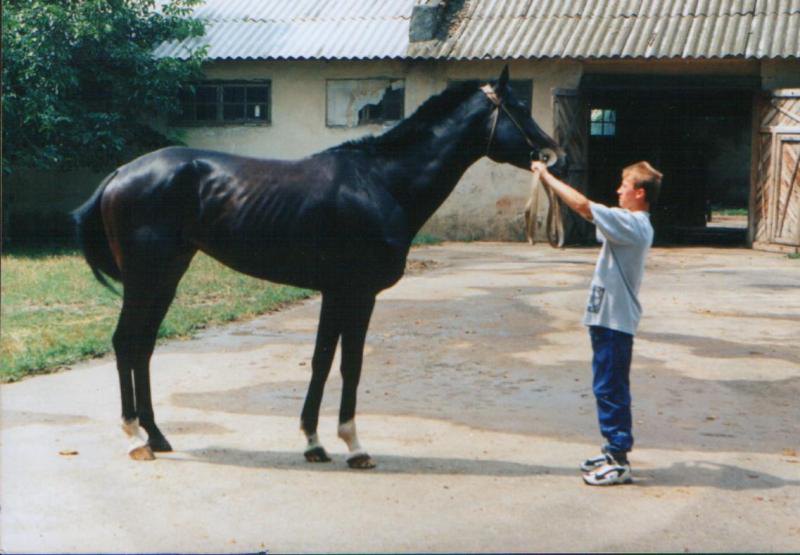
x: 317, y: 454
x: 142, y: 453
x: 361, y: 462
x: 159, y: 444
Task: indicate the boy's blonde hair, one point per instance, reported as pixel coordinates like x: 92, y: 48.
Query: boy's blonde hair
x: 645, y: 177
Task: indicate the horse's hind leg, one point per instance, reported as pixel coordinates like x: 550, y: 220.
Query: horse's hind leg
x: 124, y: 346
x: 130, y: 424
x: 149, y: 290
x: 357, y: 311
x: 327, y: 337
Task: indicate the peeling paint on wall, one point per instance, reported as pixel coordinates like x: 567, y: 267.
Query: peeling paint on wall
x: 353, y: 102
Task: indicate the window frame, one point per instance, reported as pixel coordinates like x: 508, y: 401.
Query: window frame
x: 369, y: 122
x: 220, y: 103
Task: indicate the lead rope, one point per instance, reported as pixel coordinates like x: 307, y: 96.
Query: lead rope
x: 554, y: 223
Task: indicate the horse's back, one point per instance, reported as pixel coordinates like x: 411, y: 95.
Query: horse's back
x: 187, y: 185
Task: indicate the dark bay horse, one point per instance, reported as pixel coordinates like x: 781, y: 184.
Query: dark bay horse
x: 340, y: 221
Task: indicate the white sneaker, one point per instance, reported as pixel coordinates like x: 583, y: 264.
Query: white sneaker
x: 594, y: 463
x: 609, y: 474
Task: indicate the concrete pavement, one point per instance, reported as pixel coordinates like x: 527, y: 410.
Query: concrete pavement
x: 476, y: 403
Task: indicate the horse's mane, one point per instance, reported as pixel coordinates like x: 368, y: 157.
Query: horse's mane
x: 417, y: 124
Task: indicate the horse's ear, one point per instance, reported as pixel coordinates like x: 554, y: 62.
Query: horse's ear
x: 503, y: 81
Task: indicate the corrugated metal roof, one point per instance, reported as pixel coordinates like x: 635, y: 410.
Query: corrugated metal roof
x: 500, y: 29
x: 587, y: 29
x: 300, y: 29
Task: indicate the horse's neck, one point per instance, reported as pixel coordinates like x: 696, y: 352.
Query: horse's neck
x: 437, y: 164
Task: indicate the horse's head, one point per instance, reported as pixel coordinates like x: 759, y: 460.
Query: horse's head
x: 513, y: 137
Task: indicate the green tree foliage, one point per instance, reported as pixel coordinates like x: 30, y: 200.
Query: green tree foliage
x: 81, y: 87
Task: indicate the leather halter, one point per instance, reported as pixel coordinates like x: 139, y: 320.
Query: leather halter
x: 490, y: 93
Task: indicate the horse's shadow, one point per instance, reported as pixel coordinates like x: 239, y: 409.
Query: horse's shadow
x: 387, y: 464
x: 678, y: 474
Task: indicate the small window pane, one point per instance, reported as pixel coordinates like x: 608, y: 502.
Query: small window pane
x: 603, y: 122
x: 257, y: 111
x: 256, y: 94
x: 187, y: 111
x: 206, y: 93
x: 233, y: 94
x: 233, y: 111
x: 186, y: 95
x: 206, y: 112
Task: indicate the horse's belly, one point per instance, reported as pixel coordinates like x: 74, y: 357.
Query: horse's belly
x: 274, y: 263
x: 331, y: 266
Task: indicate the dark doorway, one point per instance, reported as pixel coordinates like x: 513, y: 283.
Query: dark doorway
x: 698, y: 137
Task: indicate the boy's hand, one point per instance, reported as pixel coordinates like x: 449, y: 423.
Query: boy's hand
x: 537, y: 166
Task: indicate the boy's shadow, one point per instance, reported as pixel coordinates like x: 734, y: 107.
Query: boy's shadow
x: 709, y: 474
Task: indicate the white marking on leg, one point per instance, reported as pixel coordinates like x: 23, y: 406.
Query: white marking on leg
x: 137, y: 436
x: 313, y: 442
x: 347, y: 432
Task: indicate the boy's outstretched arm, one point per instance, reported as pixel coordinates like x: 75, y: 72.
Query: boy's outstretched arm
x: 571, y: 197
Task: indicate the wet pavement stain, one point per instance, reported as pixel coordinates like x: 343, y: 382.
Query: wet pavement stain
x: 23, y: 418
x: 721, y: 349
x: 186, y: 428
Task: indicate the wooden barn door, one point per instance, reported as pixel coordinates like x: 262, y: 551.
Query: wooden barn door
x: 571, y: 123
x: 776, y: 206
x: 784, y: 212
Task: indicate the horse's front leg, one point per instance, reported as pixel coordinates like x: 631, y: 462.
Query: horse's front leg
x: 357, y: 312
x: 327, y: 337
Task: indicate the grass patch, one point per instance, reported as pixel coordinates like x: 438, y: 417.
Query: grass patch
x: 794, y: 256
x: 425, y: 239
x: 55, y: 313
x: 729, y: 212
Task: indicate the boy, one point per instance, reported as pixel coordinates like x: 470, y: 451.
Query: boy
x: 613, y: 310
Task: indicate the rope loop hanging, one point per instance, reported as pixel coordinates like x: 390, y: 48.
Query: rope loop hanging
x: 553, y: 223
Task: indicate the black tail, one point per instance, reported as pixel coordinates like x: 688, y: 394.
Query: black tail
x: 92, y: 237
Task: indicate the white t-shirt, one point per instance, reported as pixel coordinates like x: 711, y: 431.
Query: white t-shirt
x: 626, y: 238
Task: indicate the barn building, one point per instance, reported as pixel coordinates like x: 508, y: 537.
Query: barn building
x: 707, y: 90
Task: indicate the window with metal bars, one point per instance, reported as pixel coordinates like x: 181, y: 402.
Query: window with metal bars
x: 226, y: 102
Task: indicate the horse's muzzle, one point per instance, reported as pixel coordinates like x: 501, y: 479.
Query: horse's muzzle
x: 548, y: 156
